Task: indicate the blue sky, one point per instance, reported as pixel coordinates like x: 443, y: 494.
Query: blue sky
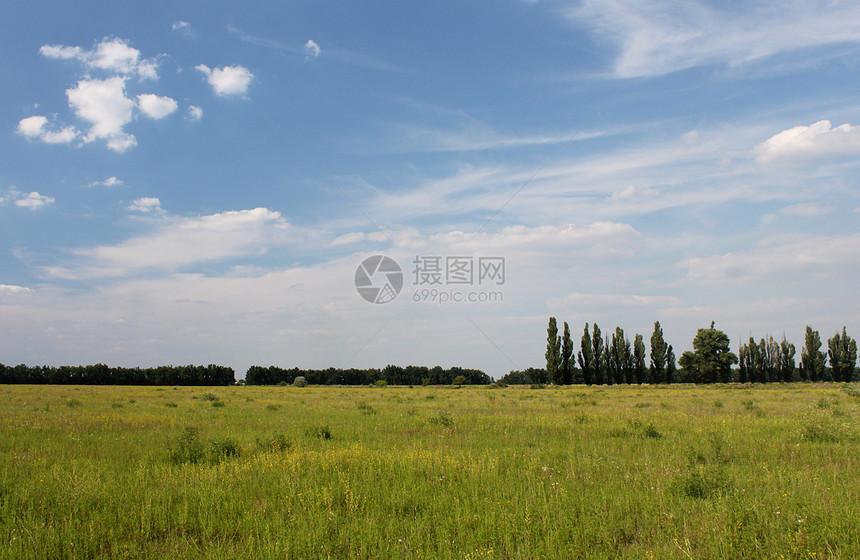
x: 198, y: 182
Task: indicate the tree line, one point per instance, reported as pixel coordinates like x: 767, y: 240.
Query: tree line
x: 392, y: 375
x: 613, y: 359
x: 101, y: 374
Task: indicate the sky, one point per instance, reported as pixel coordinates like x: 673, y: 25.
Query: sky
x: 201, y: 182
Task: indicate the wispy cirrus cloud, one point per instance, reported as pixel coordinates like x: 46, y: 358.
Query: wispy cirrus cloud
x: 174, y: 243
x: 655, y: 38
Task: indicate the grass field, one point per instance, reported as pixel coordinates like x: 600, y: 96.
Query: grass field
x: 574, y: 472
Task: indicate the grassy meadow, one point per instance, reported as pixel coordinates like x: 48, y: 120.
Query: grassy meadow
x: 424, y: 472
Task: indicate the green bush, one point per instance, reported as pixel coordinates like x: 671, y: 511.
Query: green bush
x: 186, y: 447
x: 300, y: 381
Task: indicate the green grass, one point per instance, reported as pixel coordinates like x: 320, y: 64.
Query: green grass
x: 476, y: 472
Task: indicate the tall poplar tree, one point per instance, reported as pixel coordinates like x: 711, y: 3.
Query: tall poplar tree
x: 586, y: 362
x: 811, y: 357
x: 553, y: 351
x: 658, y: 354
x: 842, y: 351
x: 566, y: 353
x: 639, y: 359
x: 597, y: 356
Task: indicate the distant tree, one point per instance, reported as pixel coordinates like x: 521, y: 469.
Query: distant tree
x: 597, y: 356
x: 811, y: 357
x: 786, y: 360
x: 619, y: 358
x: 671, y: 368
x: 639, y: 359
x: 566, y: 353
x: 842, y: 351
x: 553, y: 352
x: 711, y: 359
x: 658, y: 354
x: 586, y: 362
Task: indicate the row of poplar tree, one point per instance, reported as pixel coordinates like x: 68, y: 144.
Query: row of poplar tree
x: 613, y: 359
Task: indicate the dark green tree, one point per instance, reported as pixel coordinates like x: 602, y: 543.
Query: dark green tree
x: 811, y: 357
x: 671, y: 368
x: 553, y: 352
x: 842, y: 351
x: 586, y: 362
x: 658, y: 354
x: 598, y: 357
x: 566, y: 353
x: 639, y: 359
x: 786, y: 360
x: 619, y: 358
x: 711, y: 359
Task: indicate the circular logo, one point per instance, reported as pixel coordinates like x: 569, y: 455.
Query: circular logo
x: 378, y: 279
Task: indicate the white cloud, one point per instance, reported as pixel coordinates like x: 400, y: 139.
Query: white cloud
x: 179, y: 25
x: 156, y: 107
x: 109, y: 182
x: 312, y: 50
x: 802, y: 257
x: 112, y: 55
x: 146, y: 205
x: 34, y: 201
x: 36, y: 128
x: 194, y: 113
x: 803, y: 143
x: 580, y: 301
x: 806, y: 210
x: 227, y: 80
x: 658, y: 37
x: 6, y: 289
x: 104, y: 104
x: 179, y: 242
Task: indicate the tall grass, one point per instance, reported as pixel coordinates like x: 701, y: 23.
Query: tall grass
x: 504, y: 473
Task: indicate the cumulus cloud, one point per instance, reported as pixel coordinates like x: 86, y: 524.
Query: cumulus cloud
x: 227, y: 80
x: 180, y: 25
x: 33, y: 201
x: 36, y: 128
x: 104, y: 104
x: 109, y: 182
x: 156, y: 107
x: 194, y: 113
x: 146, y: 205
x: 112, y: 55
x: 181, y: 242
x: 312, y: 50
x: 816, y: 141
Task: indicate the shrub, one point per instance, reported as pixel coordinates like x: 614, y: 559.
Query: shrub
x: 704, y: 482
x: 459, y: 380
x: 186, y: 447
x: 273, y: 407
x: 366, y: 408
x: 171, y: 405
x: 277, y: 444
x: 748, y: 404
x: 322, y: 432
x: 300, y: 381
x: 116, y: 405
x: 442, y: 419
x: 223, y: 449
x: 381, y: 383
x: 210, y: 397
x: 73, y: 403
